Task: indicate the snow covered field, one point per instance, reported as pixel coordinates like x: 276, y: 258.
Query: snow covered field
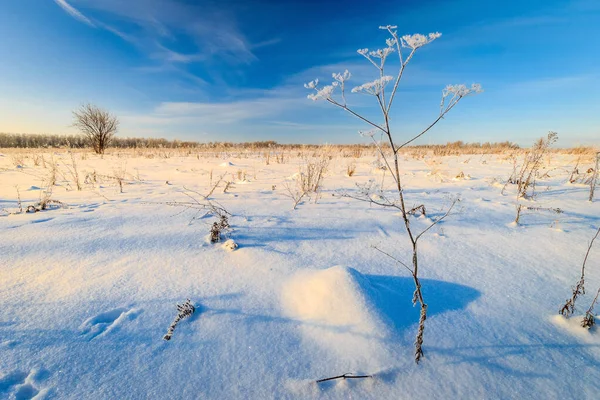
x: 89, y: 288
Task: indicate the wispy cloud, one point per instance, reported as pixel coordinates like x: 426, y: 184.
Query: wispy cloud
x: 161, y: 27
x: 72, y: 11
x: 227, y: 112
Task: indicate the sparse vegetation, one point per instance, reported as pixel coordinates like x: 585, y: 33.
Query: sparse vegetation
x: 219, y: 229
x: 184, y: 310
x: 350, y: 168
x: 525, y: 176
x: 579, y: 289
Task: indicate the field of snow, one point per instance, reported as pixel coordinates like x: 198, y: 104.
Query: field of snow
x: 89, y: 287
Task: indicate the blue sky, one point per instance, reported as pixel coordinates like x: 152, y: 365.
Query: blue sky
x: 234, y: 70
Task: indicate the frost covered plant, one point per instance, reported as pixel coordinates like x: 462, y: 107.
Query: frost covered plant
x: 405, y: 48
x: 526, y: 176
x: 579, y: 289
x: 184, y: 310
x: 589, y: 320
x: 218, y: 228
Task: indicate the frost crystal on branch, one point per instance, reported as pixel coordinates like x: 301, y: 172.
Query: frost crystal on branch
x: 342, y: 77
x: 417, y: 40
x: 324, y: 93
x: 311, y: 84
x: 381, y: 53
x: 457, y: 92
x: 374, y: 87
x: 462, y: 90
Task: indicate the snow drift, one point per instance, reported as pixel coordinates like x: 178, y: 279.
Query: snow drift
x: 336, y: 297
x: 337, y: 311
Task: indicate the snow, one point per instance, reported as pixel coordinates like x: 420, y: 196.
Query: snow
x: 88, y: 291
x: 573, y: 326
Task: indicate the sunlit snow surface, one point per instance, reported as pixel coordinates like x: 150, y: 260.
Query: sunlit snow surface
x: 88, y: 291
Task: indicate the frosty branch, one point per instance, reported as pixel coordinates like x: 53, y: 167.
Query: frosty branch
x: 451, y: 96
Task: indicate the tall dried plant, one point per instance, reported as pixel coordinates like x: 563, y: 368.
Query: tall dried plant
x: 451, y: 96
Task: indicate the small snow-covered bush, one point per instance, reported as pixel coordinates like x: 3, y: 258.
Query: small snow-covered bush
x: 525, y: 176
x: 312, y: 174
x: 219, y: 228
x: 184, y: 310
x: 578, y: 290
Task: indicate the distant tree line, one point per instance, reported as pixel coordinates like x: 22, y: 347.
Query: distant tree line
x: 459, y: 144
x: 28, y: 140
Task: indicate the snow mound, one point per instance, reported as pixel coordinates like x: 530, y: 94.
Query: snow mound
x: 573, y: 326
x: 230, y: 245
x: 336, y: 297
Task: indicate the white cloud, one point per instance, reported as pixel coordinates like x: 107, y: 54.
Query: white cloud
x: 228, y: 112
x: 155, y: 25
x: 72, y: 11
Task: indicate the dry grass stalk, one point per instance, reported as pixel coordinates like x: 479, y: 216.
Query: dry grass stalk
x: 569, y: 307
x: 350, y: 168
x: 589, y: 320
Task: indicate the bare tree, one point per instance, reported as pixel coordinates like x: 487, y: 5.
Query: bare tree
x: 98, y: 126
x: 451, y: 95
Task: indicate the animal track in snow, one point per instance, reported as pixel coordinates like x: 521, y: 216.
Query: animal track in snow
x: 21, y: 385
x: 106, y: 322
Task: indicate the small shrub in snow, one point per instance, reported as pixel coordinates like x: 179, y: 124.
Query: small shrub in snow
x: 579, y: 289
x: 351, y: 168
x: 525, y: 176
x: 18, y: 160
x: 312, y: 174
x: 589, y: 320
x: 294, y: 192
x: 218, y: 229
x: 45, y: 202
x: 184, y: 310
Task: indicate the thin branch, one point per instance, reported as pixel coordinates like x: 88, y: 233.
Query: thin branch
x: 355, y: 114
x: 345, y: 376
x: 394, y: 258
x: 370, y: 200
x: 450, y: 107
x: 588, y: 250
x: 437, y: 220
x: 389, y: 167
x: 400, y: 73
